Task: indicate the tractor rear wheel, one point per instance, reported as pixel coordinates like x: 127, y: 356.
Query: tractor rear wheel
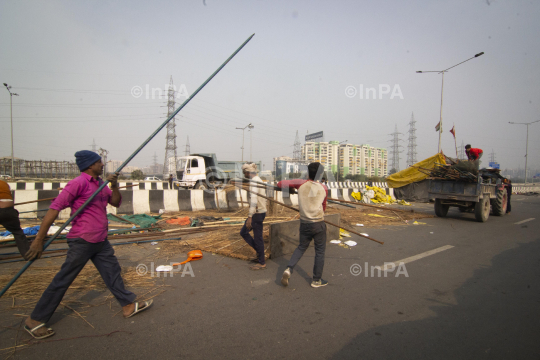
x: 500, y: 203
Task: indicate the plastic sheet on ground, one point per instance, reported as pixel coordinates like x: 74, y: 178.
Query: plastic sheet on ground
x: 179, y: 221
x: 411, y: 174
x: 380, y: 196
x: 142, y: 220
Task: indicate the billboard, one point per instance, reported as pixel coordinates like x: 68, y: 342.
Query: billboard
x: 494, y: 165
x: 318, y: 135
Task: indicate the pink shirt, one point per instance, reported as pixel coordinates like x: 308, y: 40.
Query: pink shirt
x: 91, y: 224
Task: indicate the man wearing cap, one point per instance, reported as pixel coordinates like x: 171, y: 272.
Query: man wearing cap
x: 87, y: 240
x: 473, y: 154
x: 257, y: 213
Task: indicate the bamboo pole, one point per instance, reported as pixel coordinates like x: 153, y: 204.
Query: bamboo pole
x: 102, y: 186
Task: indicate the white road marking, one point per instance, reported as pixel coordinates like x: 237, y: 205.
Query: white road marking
x: 415, y: 257
x: 523, y: 221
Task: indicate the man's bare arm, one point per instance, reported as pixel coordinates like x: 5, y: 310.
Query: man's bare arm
x: 36, y: 248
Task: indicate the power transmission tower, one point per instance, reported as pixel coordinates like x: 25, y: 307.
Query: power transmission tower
x: 461, y: 152
x: 395, y: 149
x: 188, y: 148
x: 297, y: 152
x: 492, y: 157
x: 94, y: 146
x: 411, y: 148
x: 155, y: 165
x: 103, y: 153
x: 169, y: 167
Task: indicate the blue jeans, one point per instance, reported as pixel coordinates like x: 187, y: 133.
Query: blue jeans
x: 80, y: 251
x: 256, y: 242
x: 309, y: 231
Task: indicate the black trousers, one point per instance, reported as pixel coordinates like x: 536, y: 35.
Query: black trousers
x: 80, y: 251
x: 256, y: 241
x: 311, y: 231
x: 9, y: 218
x: 509, y: 193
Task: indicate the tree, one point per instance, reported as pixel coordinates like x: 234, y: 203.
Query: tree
x: 137, y: 175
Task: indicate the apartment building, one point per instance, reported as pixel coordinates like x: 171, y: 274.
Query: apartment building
x: 348, y: 158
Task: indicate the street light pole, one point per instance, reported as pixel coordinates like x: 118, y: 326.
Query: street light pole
x: 250, y: 140
x: 11, y: 115
x: 526, y: 144
x: 244, y: 128
x: 442, y: 88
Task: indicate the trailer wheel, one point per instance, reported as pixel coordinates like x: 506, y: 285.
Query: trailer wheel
x: 500, y: 203
x: 440, y: 209
x: 481, y: 209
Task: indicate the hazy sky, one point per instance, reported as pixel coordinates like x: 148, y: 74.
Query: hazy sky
x: 75, y: 64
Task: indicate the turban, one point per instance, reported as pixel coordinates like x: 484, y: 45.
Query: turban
x: 249, y: 167
x: 85, y: 158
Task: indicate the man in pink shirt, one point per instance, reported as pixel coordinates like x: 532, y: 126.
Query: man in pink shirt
x: 87, y: 240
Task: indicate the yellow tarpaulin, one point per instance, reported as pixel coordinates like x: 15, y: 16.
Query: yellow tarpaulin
x: 411, y: 174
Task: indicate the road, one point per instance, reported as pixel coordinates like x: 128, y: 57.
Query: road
x: 478, y: 297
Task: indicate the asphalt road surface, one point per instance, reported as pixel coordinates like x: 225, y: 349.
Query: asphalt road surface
x: 467, y: 290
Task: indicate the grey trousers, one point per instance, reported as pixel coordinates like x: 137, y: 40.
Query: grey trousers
x: 316, y: 232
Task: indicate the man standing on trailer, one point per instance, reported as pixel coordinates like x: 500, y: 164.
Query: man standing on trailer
x: 87, y: 240
x: 312, y: 202
x: 473, y: 154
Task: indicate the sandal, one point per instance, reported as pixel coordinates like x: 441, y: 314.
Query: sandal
x: 138, y: 309
x: 50, y: 331
x: 257, y: 267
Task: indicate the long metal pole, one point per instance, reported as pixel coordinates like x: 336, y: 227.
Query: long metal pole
x: 250, y: 143
x: 440, y: 123
x: 243, y: 144
x: 12, y: 159
x: 27, y: 265
x: 526, y: 154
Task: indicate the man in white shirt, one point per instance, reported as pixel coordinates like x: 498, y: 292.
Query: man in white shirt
x: 312, y: 203
x: 257, y: 213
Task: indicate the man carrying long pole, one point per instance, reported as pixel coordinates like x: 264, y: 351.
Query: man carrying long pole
x: 87, y: 240
x: 312, y: 203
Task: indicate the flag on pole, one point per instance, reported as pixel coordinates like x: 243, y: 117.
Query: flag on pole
x: 453, y: 131
x: 438, y: 127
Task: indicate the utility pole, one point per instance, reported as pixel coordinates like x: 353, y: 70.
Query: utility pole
x: 439, y: 127
x: 250, y: 141
x: 395, y: 149
x: 526, y: 146
x: 411, y: 148
x: 169, y: 167
x: 243, y: 129
x: 11, y: 115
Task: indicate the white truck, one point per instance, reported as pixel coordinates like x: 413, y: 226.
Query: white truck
x: 203, y: 171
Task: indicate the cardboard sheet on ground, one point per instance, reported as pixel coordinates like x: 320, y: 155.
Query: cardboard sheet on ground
x: 411, y: 174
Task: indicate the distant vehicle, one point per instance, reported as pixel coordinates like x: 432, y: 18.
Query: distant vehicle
x: 152, y: 178
x: 203, y: 171
x: 5, y: 177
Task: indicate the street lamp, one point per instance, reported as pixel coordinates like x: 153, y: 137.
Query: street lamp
x: 244, y: 128
x: 11, y: 111
x: 442, y: 86
x: 250, y: 140
x: 527, y: 144
x: 337, y: 176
